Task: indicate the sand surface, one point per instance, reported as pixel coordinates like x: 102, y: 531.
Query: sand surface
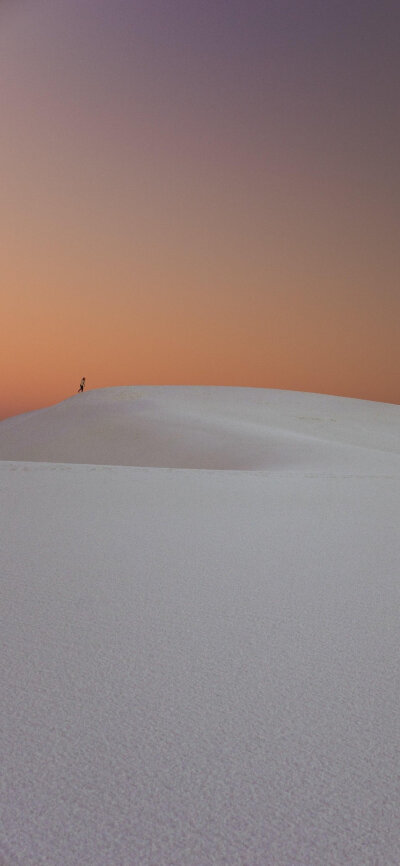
x: 200, y: 632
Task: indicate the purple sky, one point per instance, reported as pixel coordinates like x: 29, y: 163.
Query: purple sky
x: 214, y: 187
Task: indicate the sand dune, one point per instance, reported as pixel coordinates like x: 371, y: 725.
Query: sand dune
x: 198, y: 428
x: 200, y: 668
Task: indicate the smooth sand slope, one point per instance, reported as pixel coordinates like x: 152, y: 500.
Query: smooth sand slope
x: 199, y: 428
x: 200, y: 667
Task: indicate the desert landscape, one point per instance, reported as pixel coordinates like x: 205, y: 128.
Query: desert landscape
x: 200, y: 630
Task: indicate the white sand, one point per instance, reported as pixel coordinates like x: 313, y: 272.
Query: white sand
x: 200, y: 667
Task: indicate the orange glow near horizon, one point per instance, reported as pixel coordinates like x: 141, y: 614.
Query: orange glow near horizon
x: 188, y: 202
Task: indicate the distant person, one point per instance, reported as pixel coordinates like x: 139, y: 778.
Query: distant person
x: 82, y: 385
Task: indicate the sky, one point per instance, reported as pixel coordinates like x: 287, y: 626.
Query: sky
x: 199, y: 193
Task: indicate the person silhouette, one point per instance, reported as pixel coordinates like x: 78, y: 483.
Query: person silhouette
x: 82, y: 385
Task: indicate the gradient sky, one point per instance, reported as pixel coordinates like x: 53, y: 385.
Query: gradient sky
x: 199, y: 193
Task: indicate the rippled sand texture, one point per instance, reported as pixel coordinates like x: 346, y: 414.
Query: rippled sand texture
x: 200, y: 630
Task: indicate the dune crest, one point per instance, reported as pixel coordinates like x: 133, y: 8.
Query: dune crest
x: 199, y: 428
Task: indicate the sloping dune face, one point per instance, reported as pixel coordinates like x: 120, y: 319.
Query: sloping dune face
x: 198, y: 428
